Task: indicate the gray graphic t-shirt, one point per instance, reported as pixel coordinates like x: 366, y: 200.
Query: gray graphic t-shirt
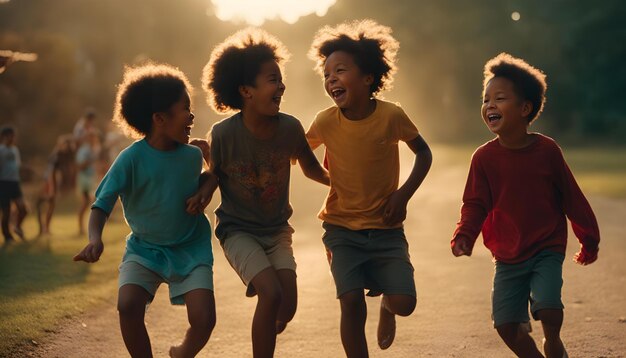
x: 254, y: 175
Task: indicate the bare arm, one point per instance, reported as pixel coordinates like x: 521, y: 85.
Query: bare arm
x: 312, y: 168
x: 95, y: 247
x: 395, y: 210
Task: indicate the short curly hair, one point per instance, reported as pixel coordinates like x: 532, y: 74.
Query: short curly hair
x: 529, y: 82
x: 373, y: 48
x: 145, y: 90
x: 236, y: 62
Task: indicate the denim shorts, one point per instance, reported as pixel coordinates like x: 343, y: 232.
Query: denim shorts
x: 373, y: 259
x: 536, y: 281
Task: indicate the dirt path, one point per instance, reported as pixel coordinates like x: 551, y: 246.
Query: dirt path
x: 452, y: 318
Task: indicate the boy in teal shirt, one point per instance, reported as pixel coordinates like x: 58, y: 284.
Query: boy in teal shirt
x: 157, y: 180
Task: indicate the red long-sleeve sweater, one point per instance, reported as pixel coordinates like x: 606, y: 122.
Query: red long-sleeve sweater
x: 520, y: 198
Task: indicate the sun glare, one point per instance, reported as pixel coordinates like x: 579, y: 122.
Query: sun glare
x: 255, y: 12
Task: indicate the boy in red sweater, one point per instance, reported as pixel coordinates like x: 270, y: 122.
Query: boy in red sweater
x: 518, y: 192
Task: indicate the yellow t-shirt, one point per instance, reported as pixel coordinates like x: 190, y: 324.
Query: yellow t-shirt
x: 363, y: 162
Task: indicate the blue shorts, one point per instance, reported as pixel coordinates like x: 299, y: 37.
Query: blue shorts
x: 133, y: 273
x: 537, y: 281
x: 374, y: 259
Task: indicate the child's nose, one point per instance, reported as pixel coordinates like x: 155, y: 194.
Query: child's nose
x: 191, y: 116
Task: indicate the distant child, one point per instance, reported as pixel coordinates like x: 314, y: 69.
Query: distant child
x: 519, y: 192
x: 10, y: 190
x: 365, y: 208
x: 157, y: 180
x: 86, y: 157
x: 251, y: 154
x: 46, y: 199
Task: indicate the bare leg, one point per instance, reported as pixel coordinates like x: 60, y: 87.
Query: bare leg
x: 21, y: 214
x: 552, y: 320
x: 390, y: 306
x: 289, y: 301
x: 353, y: 316
x: 131, y: 305
x: 6, y: 215
x: 201, y: 315
x: 269, y: 294
x: 518, y: 340
x: 49, y: 212
x: 81, y: 212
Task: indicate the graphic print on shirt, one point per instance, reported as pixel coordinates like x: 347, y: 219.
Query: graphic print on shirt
x: 261, y: 179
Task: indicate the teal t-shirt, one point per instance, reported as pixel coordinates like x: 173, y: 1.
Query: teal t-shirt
x: 153, y: 186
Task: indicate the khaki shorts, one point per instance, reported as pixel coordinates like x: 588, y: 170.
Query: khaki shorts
x: 133, y: 273
x: 250, y: 254
x: 374, y: 259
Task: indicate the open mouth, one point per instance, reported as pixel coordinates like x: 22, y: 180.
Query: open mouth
x: 493, y: 117
x: 337, y: 93
x: 277, y: 100
x: 188, y: 131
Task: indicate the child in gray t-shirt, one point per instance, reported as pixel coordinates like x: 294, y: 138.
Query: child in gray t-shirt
x: 251, y: 154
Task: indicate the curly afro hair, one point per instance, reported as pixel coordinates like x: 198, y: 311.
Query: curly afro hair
x: 529, y: 83
x: 236, y: 62
x: 371, y: 44
x: 145, y: 90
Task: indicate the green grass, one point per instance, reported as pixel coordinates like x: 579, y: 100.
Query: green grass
x: 40, y: 285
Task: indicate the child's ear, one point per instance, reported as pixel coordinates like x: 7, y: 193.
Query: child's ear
x: 369, y: 79
x: 527, y: 107
x: 158, y: 118
x: 245, y: 92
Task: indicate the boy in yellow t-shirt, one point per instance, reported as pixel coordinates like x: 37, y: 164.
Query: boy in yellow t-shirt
x: 364, y: 210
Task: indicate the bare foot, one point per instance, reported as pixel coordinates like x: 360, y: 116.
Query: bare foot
x: 175, y: 352
x: 386, y: 328
x: 280, y: 326
x: 19, y: 232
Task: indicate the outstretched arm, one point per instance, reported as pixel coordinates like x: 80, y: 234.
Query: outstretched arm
x: 311, y: 167
x: 93, y: 250
x: 395, y: 210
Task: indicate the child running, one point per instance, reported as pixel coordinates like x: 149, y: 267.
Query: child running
x: 157, y: 179
x: 10, y: 188
x: 518, y: 192
x: 365, y: 208
x: 251, y: 153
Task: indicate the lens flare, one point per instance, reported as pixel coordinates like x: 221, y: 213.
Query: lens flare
x: 515, y: 16
x: 255, y: 12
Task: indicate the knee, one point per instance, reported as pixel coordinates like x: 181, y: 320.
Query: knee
x: 403, y: 305
x: 508, y: 332
x: 204, y: 322
x: 352, y: 302
x: 130, y: 307
x: 271, y: 294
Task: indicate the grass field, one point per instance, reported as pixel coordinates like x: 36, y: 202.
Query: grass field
x: 40, y: 286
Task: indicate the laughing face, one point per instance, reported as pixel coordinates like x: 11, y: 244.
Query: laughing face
x: 345, y: 83
x: 265, y: 96
x: 179, y: 120
x: 503, y: 111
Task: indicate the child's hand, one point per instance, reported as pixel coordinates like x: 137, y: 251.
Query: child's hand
x: 395, y: 210
x: 204, y: 147
x: 91, y: 252
x: 461, y: 246
x: 584, y: 258
x: 197, y: 203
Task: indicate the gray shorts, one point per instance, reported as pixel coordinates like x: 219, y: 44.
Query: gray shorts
x: 250, y: 254
x: 134, y: 273
x: 374, y: 259
x: 537, y: 281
